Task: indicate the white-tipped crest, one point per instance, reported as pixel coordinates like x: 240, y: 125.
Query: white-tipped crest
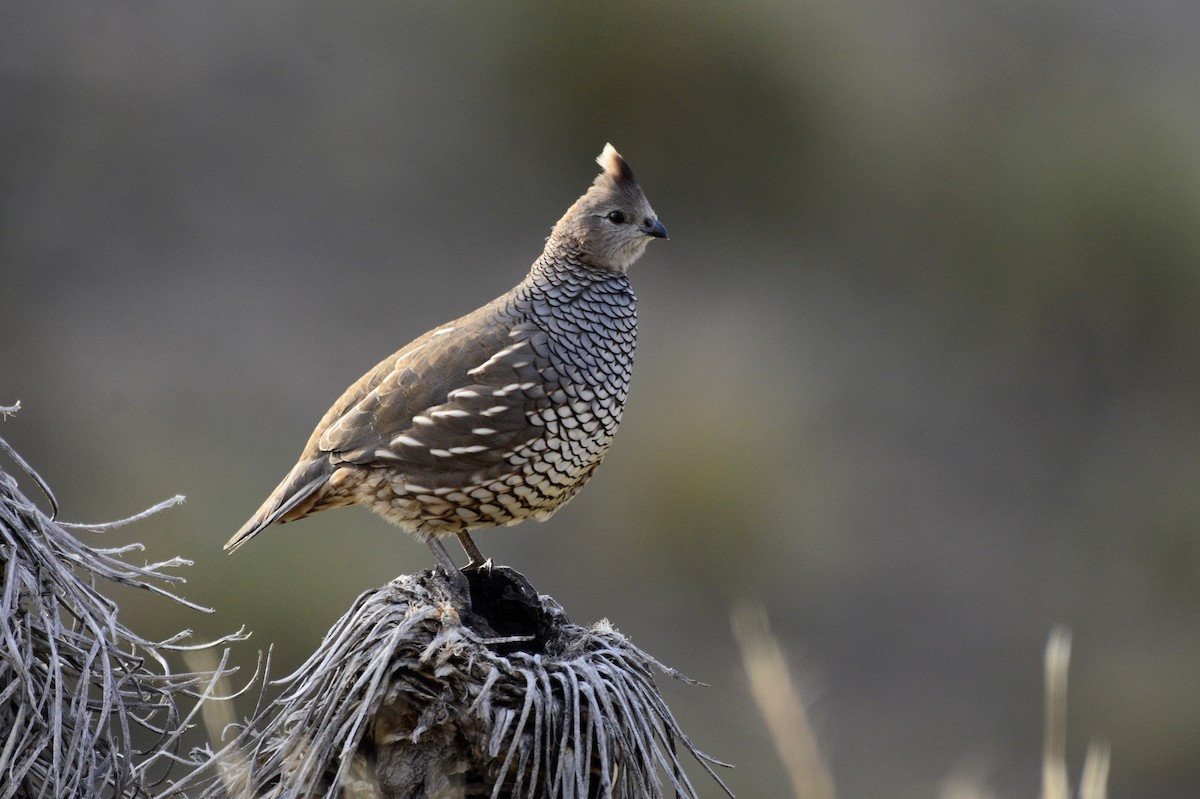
x: 610, y: 160
x: 613, y: 164
x: 612, y: 222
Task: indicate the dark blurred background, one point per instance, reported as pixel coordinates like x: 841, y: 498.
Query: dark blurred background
x: 919, y: 367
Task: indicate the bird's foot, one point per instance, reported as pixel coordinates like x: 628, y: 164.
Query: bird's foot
x: 478, y: 565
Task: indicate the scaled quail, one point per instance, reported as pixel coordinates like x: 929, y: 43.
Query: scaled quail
x: 503, y: 414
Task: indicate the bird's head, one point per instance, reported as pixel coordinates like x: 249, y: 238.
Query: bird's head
x: 613, y: 222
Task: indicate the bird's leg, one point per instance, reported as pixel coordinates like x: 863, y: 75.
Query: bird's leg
x: 454, y: 575
x: 477, y: 558
x: 443, y: 557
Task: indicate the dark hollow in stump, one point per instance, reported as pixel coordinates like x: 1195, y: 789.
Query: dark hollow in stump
x: 420, y: 691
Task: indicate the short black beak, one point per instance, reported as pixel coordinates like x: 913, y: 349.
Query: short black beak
x: 654, y: 229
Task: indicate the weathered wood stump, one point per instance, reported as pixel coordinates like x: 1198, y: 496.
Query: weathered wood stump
x: 420, y: 690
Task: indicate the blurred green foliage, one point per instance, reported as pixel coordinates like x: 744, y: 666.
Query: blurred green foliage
x: 918, y: 366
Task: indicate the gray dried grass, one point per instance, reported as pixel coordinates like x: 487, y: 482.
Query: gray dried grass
x: 88, y: 708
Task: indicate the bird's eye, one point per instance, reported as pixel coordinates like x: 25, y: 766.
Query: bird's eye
x: 616, y: 217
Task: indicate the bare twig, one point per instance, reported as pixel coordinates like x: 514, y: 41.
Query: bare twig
x: 1094, y: 782
x: 779, y: 703
x: 1055, y: 781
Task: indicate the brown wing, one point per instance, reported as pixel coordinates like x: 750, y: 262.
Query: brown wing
x: 450, y: 408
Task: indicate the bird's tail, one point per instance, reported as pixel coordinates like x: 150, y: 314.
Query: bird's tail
x: 292, y: 499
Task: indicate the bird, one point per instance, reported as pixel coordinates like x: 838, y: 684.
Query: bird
x: 501, y: 415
